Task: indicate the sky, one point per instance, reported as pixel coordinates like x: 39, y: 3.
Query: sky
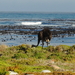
x: 37, y: 5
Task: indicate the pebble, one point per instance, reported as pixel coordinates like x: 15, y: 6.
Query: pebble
x: 46, y: 71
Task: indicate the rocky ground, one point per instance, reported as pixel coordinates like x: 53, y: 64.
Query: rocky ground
x: 8, y: 30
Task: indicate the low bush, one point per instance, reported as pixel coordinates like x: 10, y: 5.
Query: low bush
x: 23, y: 58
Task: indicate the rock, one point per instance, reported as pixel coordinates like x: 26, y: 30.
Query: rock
x: 34, y: 46
x: 29, y: 74
x: 56, y: 67
x: 28, y: 46
x: 52, y: 61
x: 13, y: 73
x: 46, y: 71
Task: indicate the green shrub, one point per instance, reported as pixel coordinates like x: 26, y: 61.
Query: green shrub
x: 19, y: 55
x: 36, y: 52
x: 71, y: 50
x: 33, y: 59
x: 23, y: 47
x: 2, y: 70
x: 51, y: 48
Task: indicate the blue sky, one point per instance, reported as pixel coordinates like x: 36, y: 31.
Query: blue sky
x: 38, y: 5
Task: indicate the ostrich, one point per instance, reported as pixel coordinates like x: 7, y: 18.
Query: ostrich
x: 45, y: 36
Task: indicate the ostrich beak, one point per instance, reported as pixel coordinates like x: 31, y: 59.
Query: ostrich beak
x: 47, y: 41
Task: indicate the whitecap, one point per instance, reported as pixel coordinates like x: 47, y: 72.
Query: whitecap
x: 73, y: 25
x: 31, y: 23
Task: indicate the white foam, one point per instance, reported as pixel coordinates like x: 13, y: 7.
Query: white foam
x: 52, y: 25
x: 73, y: 25
x: 39, y: 24
x: 31, y: 23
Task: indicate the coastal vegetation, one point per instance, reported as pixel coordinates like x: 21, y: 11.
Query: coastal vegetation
x: 24, y: 58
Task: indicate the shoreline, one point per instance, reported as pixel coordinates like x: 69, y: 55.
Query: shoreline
x: 16, y: 35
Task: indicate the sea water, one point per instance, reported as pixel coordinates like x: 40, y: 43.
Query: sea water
x: 13, y: 21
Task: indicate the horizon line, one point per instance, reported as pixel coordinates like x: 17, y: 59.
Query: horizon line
x: 32, y: 12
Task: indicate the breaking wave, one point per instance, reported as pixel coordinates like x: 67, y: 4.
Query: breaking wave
x: 31, y: 23
x: 66, y: 23
x: 73, y: 25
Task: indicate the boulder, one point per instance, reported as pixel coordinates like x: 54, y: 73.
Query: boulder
x: 57, y: 68
x: 13, y: 73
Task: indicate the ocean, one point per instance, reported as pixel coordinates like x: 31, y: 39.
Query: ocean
x: 18, y: 28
